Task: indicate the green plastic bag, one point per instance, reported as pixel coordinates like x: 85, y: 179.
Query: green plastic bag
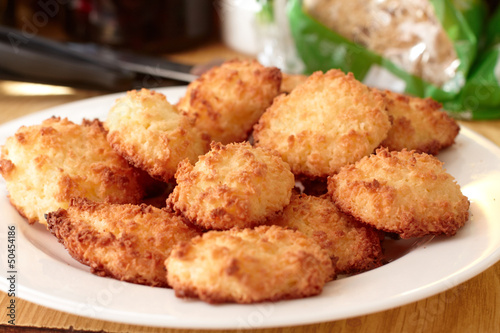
x: 480, y: 98
x: 439, y: 69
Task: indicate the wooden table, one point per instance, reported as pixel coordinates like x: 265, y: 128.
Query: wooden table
x: 473, y: 306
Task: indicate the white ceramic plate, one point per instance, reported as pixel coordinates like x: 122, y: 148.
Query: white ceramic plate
x: 47, y: 275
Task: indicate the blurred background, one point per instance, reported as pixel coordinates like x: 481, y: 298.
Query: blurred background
x: 185, y: 32
x: 192, y: 32
x: 153, y: 26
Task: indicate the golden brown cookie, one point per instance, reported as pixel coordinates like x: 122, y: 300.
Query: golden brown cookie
x: 235, y: 185
x: 126, y: 242
x: 353, y: 247
x: 401, y: 192
x: 228, y: 100
x: 291, y: 81
x: 418, y: 124
x: 268, y: 263
x: 151, y: 134
x: 329, y: 121
x: 46, y: 165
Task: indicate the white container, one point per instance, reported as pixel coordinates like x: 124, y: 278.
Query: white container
x: 238, y: 24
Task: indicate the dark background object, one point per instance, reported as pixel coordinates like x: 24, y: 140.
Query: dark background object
x: 7, y: 12
x: 153, y: 26
x: 493, y: 4
x: 34, y: 58
x: 57, y: 41
x: 146, y: 26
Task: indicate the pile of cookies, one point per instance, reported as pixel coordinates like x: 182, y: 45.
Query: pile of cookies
x: 256, y: 186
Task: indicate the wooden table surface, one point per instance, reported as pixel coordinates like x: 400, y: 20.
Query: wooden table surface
x: 473, y: 306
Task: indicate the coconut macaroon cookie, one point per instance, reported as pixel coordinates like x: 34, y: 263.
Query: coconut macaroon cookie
x: 418, y: 124
x: 228, y: 100
x: 151, y: 134
x: 291, y: 81
x: 46, y: 165
x: 234, y: 185
x: 353, y: 247
x: 328, y: 121
x: 126, y: 242
x: 401, y: 192
x: 268, y: 263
